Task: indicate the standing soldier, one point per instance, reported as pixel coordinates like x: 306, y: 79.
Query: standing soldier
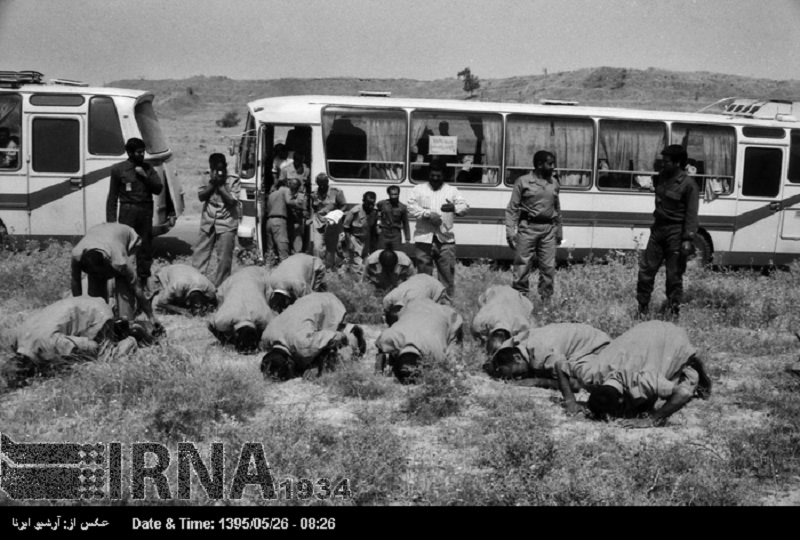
x: 325, y: 235
x: 533, y: 225
x: 277, y: 230
x: 298, y: 213
x: 393, y: 220
x: 360, y: 231
x: 672, y: 234
x: 219, y: 219
x: 133, y: 184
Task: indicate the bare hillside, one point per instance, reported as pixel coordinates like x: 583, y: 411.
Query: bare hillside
x: 651, y: 88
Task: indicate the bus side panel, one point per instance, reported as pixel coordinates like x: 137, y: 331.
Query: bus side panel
x: 621, y: 220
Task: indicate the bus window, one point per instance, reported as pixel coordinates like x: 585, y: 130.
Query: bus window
x: 147, y: 121
x: 570, y: 139
x: 762, y: 172
x: 711, y: 150
x: 247, y: 150
x: 10, y: 136
x: 794, y: 158
x: 105, y: 133
x: 631, y: 149
x: 469, y: 143
x: 56, y: 145
x: 365, y: 144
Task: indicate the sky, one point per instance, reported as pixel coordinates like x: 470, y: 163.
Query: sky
x: 99, y: 41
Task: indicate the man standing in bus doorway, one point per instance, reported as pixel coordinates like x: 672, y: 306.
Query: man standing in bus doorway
x: 133, y: 183
x: 434, y: 205
x: 533, y: 225
x: 325, y: 231
x: 219, y: 219
x: 672, y: 234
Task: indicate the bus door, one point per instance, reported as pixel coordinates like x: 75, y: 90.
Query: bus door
x: 54, y: 150
x: 758, y: 209
x: 788, y: 243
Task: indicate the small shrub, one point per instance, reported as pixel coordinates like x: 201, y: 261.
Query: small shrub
x: 231, y: 119
x: 441, y: 390
x: 354, y: 380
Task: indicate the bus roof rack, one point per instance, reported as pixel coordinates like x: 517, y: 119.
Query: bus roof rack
x: 557, y: 102
x: 68, y: 82
x: 374, y: 93
x: 764, y: 109
x: 15, y: 79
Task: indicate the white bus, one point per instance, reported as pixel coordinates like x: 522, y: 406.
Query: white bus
x: 58, y: 143
x: 746, y: 158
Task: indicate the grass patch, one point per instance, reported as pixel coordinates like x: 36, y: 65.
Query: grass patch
x: 441, y: 390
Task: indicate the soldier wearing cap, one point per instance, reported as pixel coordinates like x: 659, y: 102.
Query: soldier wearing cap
x: 300, y: 274
x: 424, y: 330
x: 185, y: 288
x: 417, y: 286
x: 243, y: 313
x: 673, y: 231
x: 533, y: 224
x: 309, y: 333
x: 504, y: 313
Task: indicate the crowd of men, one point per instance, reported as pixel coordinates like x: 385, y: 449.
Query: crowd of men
x: 285, y: 311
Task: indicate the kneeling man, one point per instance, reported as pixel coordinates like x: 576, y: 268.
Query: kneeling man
x: 504, y: 312
x: 417, y: 286
x: 243, y: 313
x: 298, y: 275
x: 309, y: 333
x: 184, y: 290
x: 423, y: 329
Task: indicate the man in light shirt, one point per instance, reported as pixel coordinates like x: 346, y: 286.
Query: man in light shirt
x: 434, y: 206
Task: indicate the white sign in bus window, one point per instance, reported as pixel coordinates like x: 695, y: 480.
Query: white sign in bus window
x: 439, y: 145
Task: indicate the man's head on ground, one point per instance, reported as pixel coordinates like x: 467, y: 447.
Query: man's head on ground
x: 406, y: 366
x: 605, y: 401
x: 246, y: 337
x: 277, y: 365
x: 368, y: 201
x: 392, y: 314
x: 198, y: 303
x: 394, y: 194
x: 94, y: 263
x: 135, y: 149
x: 279, y: 300
x: 388, y: 259
x: 496, y: 339
x: 508, y: 363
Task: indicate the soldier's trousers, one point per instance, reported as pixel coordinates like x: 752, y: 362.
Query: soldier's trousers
x: 663, y: 247
x: 536, y: 245
x: 444, y: 256
x: 224, y: 241
x: 277, y: 238
x: 139, y: 217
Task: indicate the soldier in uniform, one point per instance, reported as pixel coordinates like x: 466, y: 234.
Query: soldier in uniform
x: 653, y: 360
x: 183, y: 289
x: 309, y: 333
x: 360, y: 231
x: 243, y: 313
x: 393, y: 220
x: 424, y: 329
x: 417, y: 286
x: 300, y: 274
x: 387, y: 268
x: 133, y: 183
x: 672, y: 234
x: 504, y: 313
x: 533, y: 224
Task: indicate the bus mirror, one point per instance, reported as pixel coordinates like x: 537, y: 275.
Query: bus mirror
x: 232, y: 147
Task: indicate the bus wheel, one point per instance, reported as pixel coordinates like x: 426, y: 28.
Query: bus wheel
x: 3, y: 235
x: 702, y: 254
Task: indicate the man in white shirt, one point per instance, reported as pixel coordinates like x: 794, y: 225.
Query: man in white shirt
x: 434, y: 206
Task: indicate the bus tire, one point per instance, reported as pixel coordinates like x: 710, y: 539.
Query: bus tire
x: 703, y: 252
x: 3, y: 235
